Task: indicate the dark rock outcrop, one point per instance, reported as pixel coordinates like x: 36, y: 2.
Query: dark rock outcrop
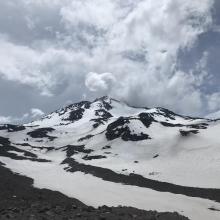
x: 42, y: 133
x: 120, y: 128
x: 138, y: 180
x: 12, y: 128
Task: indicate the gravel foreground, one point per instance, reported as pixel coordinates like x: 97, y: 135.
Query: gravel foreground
x: 20, y: 201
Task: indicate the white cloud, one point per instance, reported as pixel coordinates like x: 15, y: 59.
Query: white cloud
x: 35, y: 112
x: 92, y: 13
x: 5, y: 120
x: 11, y: 119
x: 135, y: 42
x: 21, y: 64
x: 99, y: 82
x: 42, y: 69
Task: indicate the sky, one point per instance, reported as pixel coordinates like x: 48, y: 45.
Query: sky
x: 144, y: 52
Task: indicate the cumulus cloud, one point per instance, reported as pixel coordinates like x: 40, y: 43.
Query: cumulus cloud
x: 90, y: 13
x: 11, y: 119
x: 35, y: 112
x: 5, y: 120
x: 129, y: 50
x: 99, y: 82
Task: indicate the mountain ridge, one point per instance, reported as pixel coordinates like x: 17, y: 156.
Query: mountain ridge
x: 118, y: 149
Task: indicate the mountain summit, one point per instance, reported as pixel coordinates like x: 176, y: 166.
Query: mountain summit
x: 108, y: 153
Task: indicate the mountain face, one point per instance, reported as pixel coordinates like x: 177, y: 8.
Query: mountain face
x: 108, y: 153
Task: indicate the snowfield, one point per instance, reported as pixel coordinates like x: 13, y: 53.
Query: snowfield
x: 155, y: 144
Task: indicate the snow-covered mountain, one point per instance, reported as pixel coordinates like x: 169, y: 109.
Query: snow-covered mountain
x: 106, y: 152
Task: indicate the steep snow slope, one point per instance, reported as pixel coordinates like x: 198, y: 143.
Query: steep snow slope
x: 117, y: 144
